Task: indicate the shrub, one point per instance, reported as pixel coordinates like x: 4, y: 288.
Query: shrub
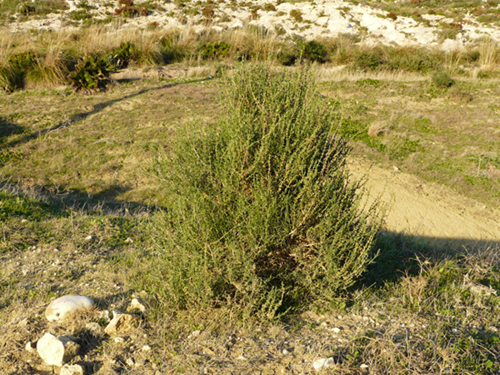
x: 288, y: 56
x: 314, y: 51
x: 442, y: 80
x: 124, y: 54
x: 91, y: 73
x: 219, y: 49
x: 296, y: 15
x: 261, y: 213
x: 369, y: 60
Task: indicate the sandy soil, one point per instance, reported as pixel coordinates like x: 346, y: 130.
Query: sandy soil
x: 426, y: 209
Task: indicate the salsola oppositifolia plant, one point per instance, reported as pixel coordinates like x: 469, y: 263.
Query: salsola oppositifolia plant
x: 261, y: 212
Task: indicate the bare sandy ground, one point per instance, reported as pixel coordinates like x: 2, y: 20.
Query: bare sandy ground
x: 429, y: 210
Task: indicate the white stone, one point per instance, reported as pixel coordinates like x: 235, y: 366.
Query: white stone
x: 56, y: 350
x: 30, y: 347
x: 72, y: 370
x: 94, y: 328
x: 137, y: 304
x: 88, y: 238
x: 336, y: 330
x: 119, y: 339
x: 61, y: 307
x: 323, y: 363
x: 130, y: 362
x: 146, y: 348
x: 194, y: 334
x: 121, y: 323
x: 364, y: 367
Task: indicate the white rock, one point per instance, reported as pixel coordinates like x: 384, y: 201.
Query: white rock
x: 323, y: 363
x: 30, y: 347
x: 121, y: 323
x: 130, y: 362
x: 146, y: 348
x: 72, y: 370
x: 94, y: 328
x: 61, y: 307
x: 119, y: 339
x: 56, y: 350
x: 364, y: 367
x: 88, y: 238
x: 194, y: 334
x: 336, y: 330
x: 137, y: 304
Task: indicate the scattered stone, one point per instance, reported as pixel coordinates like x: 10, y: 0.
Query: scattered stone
x: 30, y: 347
x: 285, y: 352
x: 146, y: 348
x: 61, y: 307
x: 194, y: 334
x: 56, y: 350
x: 88, y: 238
x: 130, y: 362
x: 94, y: 328
x: 323, y: 363
x: 336, y: 330
x: 241, y: 358
x: 364, y: 367
x: 72, y: 370
x: 119, y: 339
x: 137, y: 304
x: 129, y: 240
x: 121, y: 323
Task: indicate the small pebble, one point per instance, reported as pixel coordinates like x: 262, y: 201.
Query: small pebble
x: 323, y: 363
x: 130, y: 362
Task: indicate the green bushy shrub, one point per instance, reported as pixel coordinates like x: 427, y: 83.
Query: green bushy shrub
x: 92, y: 73
x: 442, y: 80
x: 314, y: 51
x: 261, y: 214
x: 369, y: 60
x: 124, y: 54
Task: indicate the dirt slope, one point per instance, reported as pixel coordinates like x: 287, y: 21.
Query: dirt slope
x: 427, y: 209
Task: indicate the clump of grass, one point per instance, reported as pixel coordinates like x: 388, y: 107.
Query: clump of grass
x: 13, y: 73
x: 262, y: 215
x: 442, y: 80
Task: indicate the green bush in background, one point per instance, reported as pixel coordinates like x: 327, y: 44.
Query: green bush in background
x: 262, y: 215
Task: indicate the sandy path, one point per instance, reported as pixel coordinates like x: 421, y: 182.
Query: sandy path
x: 429, y: 210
